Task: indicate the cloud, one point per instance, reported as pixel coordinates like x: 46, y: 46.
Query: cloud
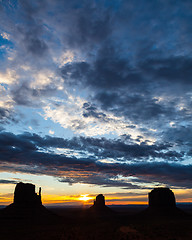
x: 31, y: 30
x: 51, y: 132
x: 5, y: 35
x: 175, y: 70
x: 8, y: 77
x: 99, y: 69
x: 29, y: 153
x: 91, y: 26
x: 7, y: 113
x: 112, y: 55
x: 108, y: 71
x: 99, y: 148
x: 4, y: 114
x: 83, y: 118
x: 135, y: 93
x: 3, y: 181
x: 32, y: 97
x: 35, y: 46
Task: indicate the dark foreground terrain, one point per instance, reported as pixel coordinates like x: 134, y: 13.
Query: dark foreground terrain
x: 123, y: 223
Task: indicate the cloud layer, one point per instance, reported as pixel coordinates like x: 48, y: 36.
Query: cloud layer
x: 114, y: 75
x: 84, y: 160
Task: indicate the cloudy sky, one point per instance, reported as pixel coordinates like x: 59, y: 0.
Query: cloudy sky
x: 96, y: 97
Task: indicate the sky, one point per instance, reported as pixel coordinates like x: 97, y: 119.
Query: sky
x: 96, y: 97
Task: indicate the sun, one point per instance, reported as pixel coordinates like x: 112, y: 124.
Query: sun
x: 84, y: 197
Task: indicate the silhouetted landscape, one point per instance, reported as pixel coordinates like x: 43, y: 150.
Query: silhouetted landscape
x: 95, y: 111
x: 27, y: 218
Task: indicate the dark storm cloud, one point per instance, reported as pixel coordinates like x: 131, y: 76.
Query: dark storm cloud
x: 32, y: 151
x: 90, y: 26
x: 91, y: 111
x: 98, y: 179
x: 125, y: 91
x: 7, y: 116
x: 132, y: 89
x: 100, y: 148
x: 165, y: 173
x: 25, y: 95
x: 4, y: 113
x: 137, y: 107
x: 3, y: 181
x: 108, y: 71
x: 124, y: 69
x: 31, y: 8
x: 175, y: 70
x: 80, y: 25
x: 34, y: 45
x: 180, y: 136
x: 31, y: 28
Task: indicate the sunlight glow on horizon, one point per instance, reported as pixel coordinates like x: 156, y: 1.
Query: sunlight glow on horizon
x: 85, y: 198
x: 182, y: 196
x: 55, y: 193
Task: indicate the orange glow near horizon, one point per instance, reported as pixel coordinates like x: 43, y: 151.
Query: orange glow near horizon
x: 85, y: 198
x: 181, y: 195
x: 114, y: 202
x: 6, y: 201
x: 68, y: 200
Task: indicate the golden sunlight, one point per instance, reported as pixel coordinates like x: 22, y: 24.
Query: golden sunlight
x: 84, y: 198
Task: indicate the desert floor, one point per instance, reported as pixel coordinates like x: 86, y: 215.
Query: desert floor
x: 125, y: 223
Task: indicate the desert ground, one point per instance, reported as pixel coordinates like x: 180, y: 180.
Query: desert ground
x: 122, y: 223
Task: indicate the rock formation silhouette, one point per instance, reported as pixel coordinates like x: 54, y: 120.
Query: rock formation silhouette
x: 27, y: 204
x: 99, y: 205
x: 162, y: 197
x: 25, y: 195
x: 162, y: 203
x: 100, y: 201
